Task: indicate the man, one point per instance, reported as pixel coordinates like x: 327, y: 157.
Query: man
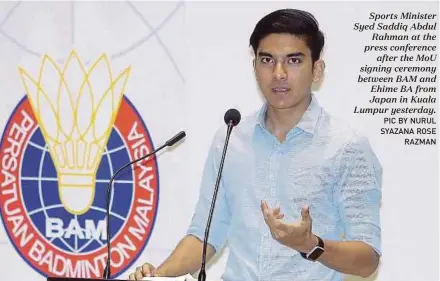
x: 295, y: 179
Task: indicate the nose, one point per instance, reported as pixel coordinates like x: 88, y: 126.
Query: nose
x: 279, y: 72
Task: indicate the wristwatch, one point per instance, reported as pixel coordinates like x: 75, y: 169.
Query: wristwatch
x: 316, y: 252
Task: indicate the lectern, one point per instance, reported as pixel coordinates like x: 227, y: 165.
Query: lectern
x: 79, y: 279
x: 180, y: 278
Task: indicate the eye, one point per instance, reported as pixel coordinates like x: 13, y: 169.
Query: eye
x: 294, y: 61
x: 266, y: 60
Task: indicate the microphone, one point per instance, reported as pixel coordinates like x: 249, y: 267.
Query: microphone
x: 232, y: 118
x: 170, y: 142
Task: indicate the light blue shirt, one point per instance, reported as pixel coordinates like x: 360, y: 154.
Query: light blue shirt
x: 322, y: 163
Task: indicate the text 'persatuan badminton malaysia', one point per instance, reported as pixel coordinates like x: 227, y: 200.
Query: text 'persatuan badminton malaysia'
x: 72, y: 130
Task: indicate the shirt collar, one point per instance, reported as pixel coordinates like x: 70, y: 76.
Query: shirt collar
x: 308, y: 121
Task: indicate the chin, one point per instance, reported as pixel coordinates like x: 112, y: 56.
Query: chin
x: 283, y: 103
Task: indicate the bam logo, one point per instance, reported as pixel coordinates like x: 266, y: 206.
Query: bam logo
x: 63, y: 142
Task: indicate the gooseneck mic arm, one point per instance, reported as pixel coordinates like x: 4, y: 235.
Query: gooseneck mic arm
x: 170, y: 142
x: 232, y: 118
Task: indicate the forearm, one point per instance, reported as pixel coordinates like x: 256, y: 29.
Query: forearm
x: 350, y: 257
x: 186, y: 258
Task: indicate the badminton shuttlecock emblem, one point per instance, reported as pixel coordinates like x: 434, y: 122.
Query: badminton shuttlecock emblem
x: 75, y: 108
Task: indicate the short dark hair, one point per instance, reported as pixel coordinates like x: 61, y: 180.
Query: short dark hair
x: 291, y: 21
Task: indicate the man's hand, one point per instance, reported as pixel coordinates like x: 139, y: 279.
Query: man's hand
x: 297, y: 235
x: 146, y: 270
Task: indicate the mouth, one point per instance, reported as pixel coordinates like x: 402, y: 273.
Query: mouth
x: 280, y: 90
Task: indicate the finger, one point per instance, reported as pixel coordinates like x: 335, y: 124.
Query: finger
x: 146, y: 270
x: 276, y: 213
x: 264, y: 207
x: 139, y: 274
x: 266, y: 210
x: 270, y: 217
x: 267, y: 218
x: 131, y: 277
x: 265, y: 204
x: 305, y: 213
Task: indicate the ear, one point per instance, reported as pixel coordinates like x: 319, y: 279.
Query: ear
x: 318, y: 70
x: 254, y: 62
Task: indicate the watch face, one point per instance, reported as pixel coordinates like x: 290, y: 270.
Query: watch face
x: 316, y: 253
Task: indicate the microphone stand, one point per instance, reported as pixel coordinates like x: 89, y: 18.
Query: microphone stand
x: 202, y: 272
x: 170, y: 142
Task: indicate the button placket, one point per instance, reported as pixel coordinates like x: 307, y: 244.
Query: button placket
x: 266, y: 239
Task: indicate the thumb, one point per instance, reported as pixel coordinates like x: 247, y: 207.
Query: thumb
x: 305, y: 213
x: 155, y: 272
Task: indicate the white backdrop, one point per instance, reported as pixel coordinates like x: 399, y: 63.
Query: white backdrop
x: 190, y: 62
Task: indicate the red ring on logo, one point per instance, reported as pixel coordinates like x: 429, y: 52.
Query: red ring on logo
x: 40, y: 254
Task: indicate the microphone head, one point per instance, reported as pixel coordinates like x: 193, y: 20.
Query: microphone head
x: 176, y: 138
x: 232, y: 116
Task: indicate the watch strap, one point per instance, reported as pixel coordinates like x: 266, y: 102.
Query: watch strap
x: 316, y: 252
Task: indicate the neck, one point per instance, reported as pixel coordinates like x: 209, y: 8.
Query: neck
x: 280, y: 121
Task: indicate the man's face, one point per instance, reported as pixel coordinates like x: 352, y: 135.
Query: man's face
x: 284, y: 70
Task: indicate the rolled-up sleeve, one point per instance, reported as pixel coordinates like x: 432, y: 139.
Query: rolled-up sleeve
x: 222, y: 216
x: 358, y: 194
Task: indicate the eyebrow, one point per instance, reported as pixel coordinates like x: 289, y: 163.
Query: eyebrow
x: 296, y: 54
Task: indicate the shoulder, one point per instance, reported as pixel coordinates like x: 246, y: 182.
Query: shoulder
x: 349, y: 143
x: 339, y: 131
